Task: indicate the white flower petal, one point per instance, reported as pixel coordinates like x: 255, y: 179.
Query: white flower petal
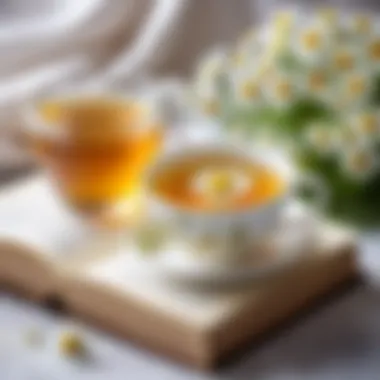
x: 313, y: 43
x: 347, y: 138
x: 361, y: 24
x: 360, y: 163
x: 322, y: 138
x: 328, y: 16
x: 212, y: 65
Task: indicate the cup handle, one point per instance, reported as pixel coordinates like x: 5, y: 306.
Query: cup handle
x: 312, y: 187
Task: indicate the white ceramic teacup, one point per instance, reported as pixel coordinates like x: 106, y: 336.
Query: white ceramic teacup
x: 233, y: 230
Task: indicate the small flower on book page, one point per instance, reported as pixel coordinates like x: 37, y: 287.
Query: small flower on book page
x: 71, y: 344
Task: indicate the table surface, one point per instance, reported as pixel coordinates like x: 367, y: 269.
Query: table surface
x: 340, y: 340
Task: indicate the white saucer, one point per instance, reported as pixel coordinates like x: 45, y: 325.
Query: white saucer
x: 180, y: 264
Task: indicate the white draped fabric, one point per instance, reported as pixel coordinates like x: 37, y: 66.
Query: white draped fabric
x: 48, y: 44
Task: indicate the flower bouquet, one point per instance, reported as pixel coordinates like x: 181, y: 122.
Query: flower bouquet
x: 312, y: 84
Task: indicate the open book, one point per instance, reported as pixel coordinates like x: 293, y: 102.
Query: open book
x: 47, y: 255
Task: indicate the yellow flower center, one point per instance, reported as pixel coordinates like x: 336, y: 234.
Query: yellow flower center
x: 362, y: 24
x: 250, y: 90
x: 71, y: 344
x: 368, y: 123
x: 344, y: 61
x: 356, y: 86
x: 317, y: 80
x: 284, y: 90
x: 311, y: 40
x: 374, y: 50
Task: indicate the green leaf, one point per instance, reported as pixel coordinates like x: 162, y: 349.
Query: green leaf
x: 375, y: 96
x: 301, y: 114
x: 282, y: 122
x: 351, y: 201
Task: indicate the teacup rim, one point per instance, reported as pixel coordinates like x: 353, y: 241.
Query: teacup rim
x: 196, y: 147
x: 33, y: 122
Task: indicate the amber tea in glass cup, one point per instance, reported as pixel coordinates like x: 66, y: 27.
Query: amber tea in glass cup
x: 96, y: 150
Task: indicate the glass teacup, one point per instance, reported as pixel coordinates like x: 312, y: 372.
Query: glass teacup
x: 95, y: 149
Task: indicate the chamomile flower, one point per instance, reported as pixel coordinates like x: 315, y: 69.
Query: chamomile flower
x: 372, y: 51
x: 210, y: 67
x: 206, y: 98
x: 248, y: 90
x: 205, y: 83
x: 316, y: 81
x: 356, y: 87
x: 276, y: 44
x: 212, y: 64
x: 366, y: 123
x: 279, y: 35
x: 360, y: 162
x: 336, y: 101
x: 322, y: 138
x: 281, y: 90
x: 246, y: 84
x: 344, y: 59
x: 283, y: 20
x: 332, y: 23
x: 361, y: 24
x: 219, y: 185
x: 246, y: 53
x: 312, y: 43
